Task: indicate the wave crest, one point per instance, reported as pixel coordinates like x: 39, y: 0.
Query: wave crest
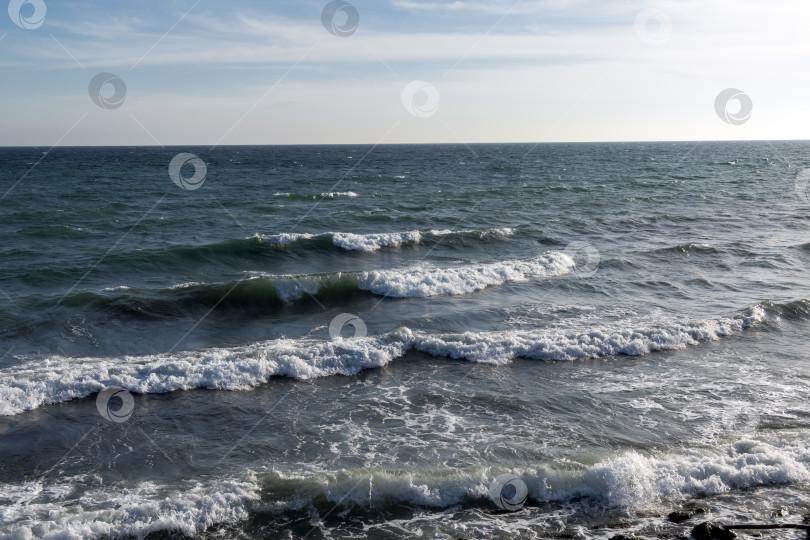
x: 56, y: 379
x: 376, y: 241
x: 427, y: 281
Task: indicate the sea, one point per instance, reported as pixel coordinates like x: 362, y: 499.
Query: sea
x: 403, y: 341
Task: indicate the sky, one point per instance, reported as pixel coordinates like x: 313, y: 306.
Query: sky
x: 206, y: 72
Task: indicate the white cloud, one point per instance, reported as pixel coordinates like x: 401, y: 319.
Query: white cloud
x: 587, y: 82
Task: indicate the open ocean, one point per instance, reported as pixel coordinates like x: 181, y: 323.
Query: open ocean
x: 355, y: 341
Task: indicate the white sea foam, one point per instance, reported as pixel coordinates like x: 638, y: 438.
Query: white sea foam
x: 431, y: 281
x: 481, y: 233
x: 186, y: 285
x: 425, y: 280
x: 501, y: 346
x: 335, y: 194
x: 117, y: 289
x: 325, y: 195
x: 629, y: 481
x: 283, y: 238
x: 373, y: 242
x: 37, y: 510
x: 55, y: 379
x: 637, y: 482
x: 376, y: 241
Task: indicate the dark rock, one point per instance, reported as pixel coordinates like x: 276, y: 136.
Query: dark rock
x: 681, y: 515
x: 782, y: 512
x: 712, y: 531
x: 625, y: 537
x: 687, y: 513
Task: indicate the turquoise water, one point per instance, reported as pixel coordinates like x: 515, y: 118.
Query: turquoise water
x: 621, y: 326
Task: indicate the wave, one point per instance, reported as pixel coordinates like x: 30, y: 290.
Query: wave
x: 265, y: 293
x: 429, y: 281
x: 312, y: 196
x: 794, y: 311
x: 376, y: 241
x: 39, y: 509
x: 501, y: 346
x: 630, y: 482
x: 261, y: 246
x: 37, y: 382
x: 690, y: 249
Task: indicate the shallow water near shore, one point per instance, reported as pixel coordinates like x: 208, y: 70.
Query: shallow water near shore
x: 621, y: 326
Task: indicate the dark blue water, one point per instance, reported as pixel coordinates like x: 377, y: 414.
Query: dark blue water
x: 343, y: 341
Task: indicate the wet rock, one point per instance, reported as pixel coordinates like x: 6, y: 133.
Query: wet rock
x: 681, y: 515
x: 687, y: 513
x: 782, y: 512
x: 712, y: 531
x: 625, y: 537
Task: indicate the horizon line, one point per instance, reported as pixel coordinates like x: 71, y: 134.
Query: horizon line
x: 213, y: 147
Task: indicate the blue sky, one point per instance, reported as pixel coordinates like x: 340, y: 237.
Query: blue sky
x: 268, y: 72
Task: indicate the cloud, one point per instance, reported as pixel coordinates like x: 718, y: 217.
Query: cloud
x: 493, y: 7
x: 556, y: 70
